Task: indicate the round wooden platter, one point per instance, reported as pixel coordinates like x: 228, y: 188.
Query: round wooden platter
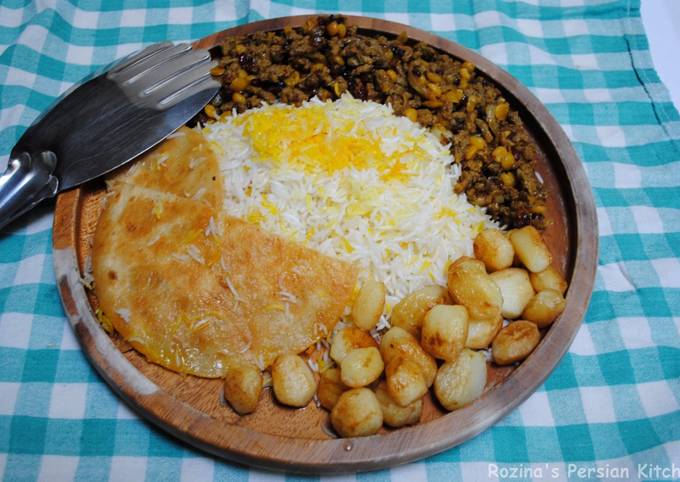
x: 276, y: 437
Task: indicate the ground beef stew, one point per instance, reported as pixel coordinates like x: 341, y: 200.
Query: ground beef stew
x: 327, y: 57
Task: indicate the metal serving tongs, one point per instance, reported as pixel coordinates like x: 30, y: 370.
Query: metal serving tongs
x: 106, y: 122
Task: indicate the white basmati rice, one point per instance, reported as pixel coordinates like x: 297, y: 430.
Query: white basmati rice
x: 402, y: 229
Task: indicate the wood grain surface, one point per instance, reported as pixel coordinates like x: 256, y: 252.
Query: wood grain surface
x: 277, y: 437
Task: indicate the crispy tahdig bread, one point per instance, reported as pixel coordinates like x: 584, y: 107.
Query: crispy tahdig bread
x: 193, y: 288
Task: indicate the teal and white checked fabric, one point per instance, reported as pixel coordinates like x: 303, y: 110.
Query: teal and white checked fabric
x: 613, y: 403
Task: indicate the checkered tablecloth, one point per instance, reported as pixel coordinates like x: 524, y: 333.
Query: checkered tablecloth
x: 613, y: 401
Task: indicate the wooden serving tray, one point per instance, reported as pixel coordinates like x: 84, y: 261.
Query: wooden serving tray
x: 277, y: 437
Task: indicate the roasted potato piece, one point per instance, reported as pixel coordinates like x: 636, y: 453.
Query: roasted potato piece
x: 515, y: 342
x: 482, y: 331
x: 242, y: 387
x: 409, y: 312
x: 348, y: 339
x: 399, y: 342
x: 369, y: 304
x: 395, y: 415
x: 544, y: 308
x: 357, y: 413
x: 330, y: 388
x: 293, y: 381
x: 461, y: 382
x: 530, y: 248
x: 404, y: 381
x: 471, y: 286
x: 516, y: 290
x: 516, y: 262
x: 444, y: 331
x: 494, y: 250
x: 548, y: 279
x: 361, y: 367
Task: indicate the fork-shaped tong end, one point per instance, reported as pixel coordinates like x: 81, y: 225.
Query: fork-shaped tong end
x: 121, y: 114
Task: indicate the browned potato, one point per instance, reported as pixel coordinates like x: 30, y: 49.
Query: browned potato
x: 348, y: 339
x: 516, y: 262
x: 242, y: 387
x: 293, y: 381
x: 369, y: 304
x: 516, y: 290
x: 444, y: 331
x: 361, y: 367
x: 395, y: 415
x: 461, y: 382
x: 330, y: 388
x: 530, y: 248
x: 357, y: 413
x: 548, y: 279
x: 482, y: 331
x: 404, y: 381
x: 515, y: 342
x: 399, y: 342
x: 544, y: 308
x: 471, y: 286
x: 409, y: 312
x: 494, y: 250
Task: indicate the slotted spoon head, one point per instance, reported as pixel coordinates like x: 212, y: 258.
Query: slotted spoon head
x: 115, y: 117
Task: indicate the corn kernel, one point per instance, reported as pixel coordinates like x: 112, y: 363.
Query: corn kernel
x: 332, y: 28
x: 539, y: 209
x: 240, y: 49
x: 501, y: 111
x: 392, y: 75
x: 342, y: 30
x: 239, y: 83
x: 470, y: 153
x: 498, y: 153
x: 210, y: 111
x: 508, y: 179
x: 469, y: 66
x: 238, y: 98
x: 217, y: 70
x: 411, y: 114
x: 508, y: 161
x: 454, y: 96
x: 476, y: 144
x: 503, y: 157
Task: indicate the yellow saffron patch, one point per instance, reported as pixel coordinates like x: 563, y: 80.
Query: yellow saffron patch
x: 314, y: 140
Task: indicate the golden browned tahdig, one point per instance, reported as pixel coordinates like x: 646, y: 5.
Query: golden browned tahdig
x: 194, y: 289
